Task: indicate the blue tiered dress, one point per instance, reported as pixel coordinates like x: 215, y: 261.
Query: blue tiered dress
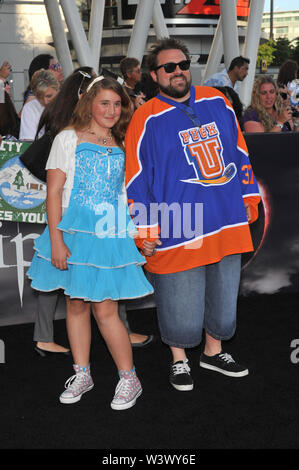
x: 97, y: 229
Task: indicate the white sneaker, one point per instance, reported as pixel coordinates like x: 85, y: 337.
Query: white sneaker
x: 127, y: 391
x: 76, y: 386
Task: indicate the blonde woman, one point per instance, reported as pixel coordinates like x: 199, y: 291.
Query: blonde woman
x: 45, y: 87
x: 267, y: 111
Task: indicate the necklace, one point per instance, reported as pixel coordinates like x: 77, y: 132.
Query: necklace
x: 104, y: 140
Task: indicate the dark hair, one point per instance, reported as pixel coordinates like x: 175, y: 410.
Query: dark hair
x: 9, y: 119
x: 41, y: 61
x: 163, y: 45
x: 82, y: 113
x: 287, y: 72
x: 233, y: 97
x: 86, y: 69
x: 147, y: 86
x: 238, y: 62
x: 58, y: 113
x: 127, y: 65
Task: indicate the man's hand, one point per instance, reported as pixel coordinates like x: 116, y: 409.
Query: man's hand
x: 149, y: 248
x: 248, y: 212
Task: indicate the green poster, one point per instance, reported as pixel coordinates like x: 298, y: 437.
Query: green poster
x: 22, y: 196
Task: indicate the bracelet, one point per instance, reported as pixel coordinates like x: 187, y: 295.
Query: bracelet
x: 277, y: 124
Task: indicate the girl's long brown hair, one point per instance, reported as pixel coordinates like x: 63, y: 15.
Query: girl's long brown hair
x: 82, y: 113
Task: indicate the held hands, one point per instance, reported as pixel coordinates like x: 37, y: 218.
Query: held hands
x: 149, y: 248
x: 59, y: 255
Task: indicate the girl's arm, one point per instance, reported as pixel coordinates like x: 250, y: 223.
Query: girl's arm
x: 59, y: 251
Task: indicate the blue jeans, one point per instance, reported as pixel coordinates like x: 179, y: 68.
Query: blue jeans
x: 203, y: 297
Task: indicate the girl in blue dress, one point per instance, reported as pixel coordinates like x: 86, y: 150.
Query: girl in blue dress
x: 87, y: 248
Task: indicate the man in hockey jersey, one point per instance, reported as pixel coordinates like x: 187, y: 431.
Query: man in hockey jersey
x: 192, y: 193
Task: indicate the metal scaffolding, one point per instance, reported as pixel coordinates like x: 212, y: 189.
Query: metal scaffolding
x: 149, y: 12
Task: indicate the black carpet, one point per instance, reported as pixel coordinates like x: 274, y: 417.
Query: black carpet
x: 260, y: 411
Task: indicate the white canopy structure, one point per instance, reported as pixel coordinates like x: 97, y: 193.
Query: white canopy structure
x: 87, y: 50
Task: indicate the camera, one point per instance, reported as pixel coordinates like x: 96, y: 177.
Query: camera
x: 295, y: 113
x: 283, y: 95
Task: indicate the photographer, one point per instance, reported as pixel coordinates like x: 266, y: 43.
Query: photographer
x: 288, y: 82
x: 5, y: 71
x: 130, y: 69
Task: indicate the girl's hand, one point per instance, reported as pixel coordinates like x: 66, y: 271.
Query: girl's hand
x: 59, y: 255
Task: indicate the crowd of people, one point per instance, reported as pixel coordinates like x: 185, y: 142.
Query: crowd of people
x: 144, y: 139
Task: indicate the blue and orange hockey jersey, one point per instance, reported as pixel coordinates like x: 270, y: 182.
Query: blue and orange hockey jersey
x: 188, y: 178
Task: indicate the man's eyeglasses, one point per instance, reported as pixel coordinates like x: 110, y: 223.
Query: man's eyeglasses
x: 55, y: 66
x: 171, y: 66
x: 84, y: 75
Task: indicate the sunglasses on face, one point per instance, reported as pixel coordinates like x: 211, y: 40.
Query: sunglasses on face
x: 171, y: 66
x: 55, y: 66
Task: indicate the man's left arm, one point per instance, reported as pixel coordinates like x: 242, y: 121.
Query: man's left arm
x: 249, y: 186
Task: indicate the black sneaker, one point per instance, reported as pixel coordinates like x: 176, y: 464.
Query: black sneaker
x: 224, y: 364
x: 180, y: 377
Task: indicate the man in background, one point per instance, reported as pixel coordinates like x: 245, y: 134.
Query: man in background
x: 131, y: 71
x: 237, y: 72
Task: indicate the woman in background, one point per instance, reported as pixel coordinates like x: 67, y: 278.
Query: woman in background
x: 288, y: 79
x: 267, y: 111
x: 46, y: 62
x: 45, y: 87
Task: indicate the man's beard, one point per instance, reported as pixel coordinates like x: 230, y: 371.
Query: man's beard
x: 174, y: 92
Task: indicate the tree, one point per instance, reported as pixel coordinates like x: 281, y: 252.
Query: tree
x: 283, y: 51
x: 19, y: 180
x: 266, y: 52
x: 295, y: 50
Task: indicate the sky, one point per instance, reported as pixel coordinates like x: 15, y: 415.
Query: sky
x: 282, y: 5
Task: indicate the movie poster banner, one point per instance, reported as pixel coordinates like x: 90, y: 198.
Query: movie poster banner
x: 273, y: 266
x: 22, y: 196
